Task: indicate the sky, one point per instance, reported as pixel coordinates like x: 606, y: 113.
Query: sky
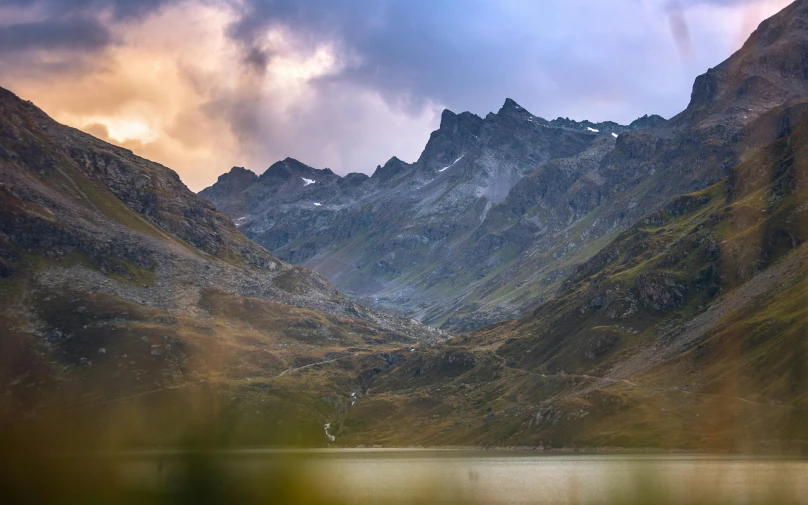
x: 204, y: 85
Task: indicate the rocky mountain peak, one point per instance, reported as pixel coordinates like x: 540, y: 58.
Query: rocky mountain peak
x: 514, y: 114
x: 231, y: 183
x: 447, y: 118
x: 239, y: 176
x: 456, y: 133
x: 283, y: 169
x: 705, y: 88
x: 292, y: 170
x: 389, y: 170
x: 356, y: 178
x: 510, y: 105
x: 449, y: 121
x: 647, y: 121
x: 408, y: 218
x: 791, y: 21
x: 769, y: 70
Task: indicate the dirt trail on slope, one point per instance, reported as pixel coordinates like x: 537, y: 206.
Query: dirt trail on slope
x: 290, y: 370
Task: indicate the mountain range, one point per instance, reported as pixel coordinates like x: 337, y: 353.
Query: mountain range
x: 496, y: 210
x: 427, y: 239
x: 594, y: 285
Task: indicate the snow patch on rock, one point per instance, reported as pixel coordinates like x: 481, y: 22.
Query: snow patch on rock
x: 450, y: 166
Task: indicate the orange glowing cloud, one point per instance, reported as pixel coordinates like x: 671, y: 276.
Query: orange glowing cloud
x: 201, y: 86
x: 163, y: 91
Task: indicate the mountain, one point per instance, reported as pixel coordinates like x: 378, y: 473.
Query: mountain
x: 497, y: 211
x: 671, y: 260
x: 400, y: 239
x: 686, y: 331
x: 664, y: 272
x: 117, y: 282
x: 609, y: 127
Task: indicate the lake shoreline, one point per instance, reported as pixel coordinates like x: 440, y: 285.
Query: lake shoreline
x: 458, y: 451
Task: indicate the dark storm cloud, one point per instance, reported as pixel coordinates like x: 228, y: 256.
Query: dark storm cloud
x: 81, y: 34
x: 395, y: 63
x: 409, y: 50
x: 257, y: 58
x: 119, y: 8
x: 468, y: 54
x: 68, y: 24
x: 680, y: 30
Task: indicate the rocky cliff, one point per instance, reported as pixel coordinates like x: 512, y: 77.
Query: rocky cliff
x: 392, y: 238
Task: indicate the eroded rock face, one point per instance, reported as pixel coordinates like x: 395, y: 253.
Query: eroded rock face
x: 232, y: 183
x: 660, y: 291
x: 412, y: 232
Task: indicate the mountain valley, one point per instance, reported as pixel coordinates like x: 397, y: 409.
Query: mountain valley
x: 496, y: 212
x: 549, y: 285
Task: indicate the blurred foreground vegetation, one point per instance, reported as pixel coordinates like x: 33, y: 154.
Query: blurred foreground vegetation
x: 55, y: 462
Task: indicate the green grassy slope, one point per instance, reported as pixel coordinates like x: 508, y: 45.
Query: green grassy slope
x: 688, y: 330
x: 130, y: 307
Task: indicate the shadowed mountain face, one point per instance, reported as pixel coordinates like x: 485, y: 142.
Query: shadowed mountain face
x: 497, y: 211
x: 116, y: 281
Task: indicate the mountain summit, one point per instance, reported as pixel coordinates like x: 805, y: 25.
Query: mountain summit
x: 392, y: 238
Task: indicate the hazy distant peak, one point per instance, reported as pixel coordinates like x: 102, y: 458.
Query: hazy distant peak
x: 239, y: 172
x: 510, y: 104
x: 393, y: 167
x: 647, y: 121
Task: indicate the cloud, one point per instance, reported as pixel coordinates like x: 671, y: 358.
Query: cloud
x: 118, y: 9
x: 176, y: 88
x: 74, y: 34
x: 201, y: 85
x: 680, y: 31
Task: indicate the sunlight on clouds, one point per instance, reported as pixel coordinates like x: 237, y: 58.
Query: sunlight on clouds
x: 290, y: 66
x: 292, y: 71
x: 146, y: 91
x: 122, y: 130
x: 177, y: 87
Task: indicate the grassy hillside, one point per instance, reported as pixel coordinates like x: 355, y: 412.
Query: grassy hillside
x: 129, y: 306
x: 688, y: 330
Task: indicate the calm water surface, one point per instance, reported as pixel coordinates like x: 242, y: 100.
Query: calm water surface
x: 430, y: 476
